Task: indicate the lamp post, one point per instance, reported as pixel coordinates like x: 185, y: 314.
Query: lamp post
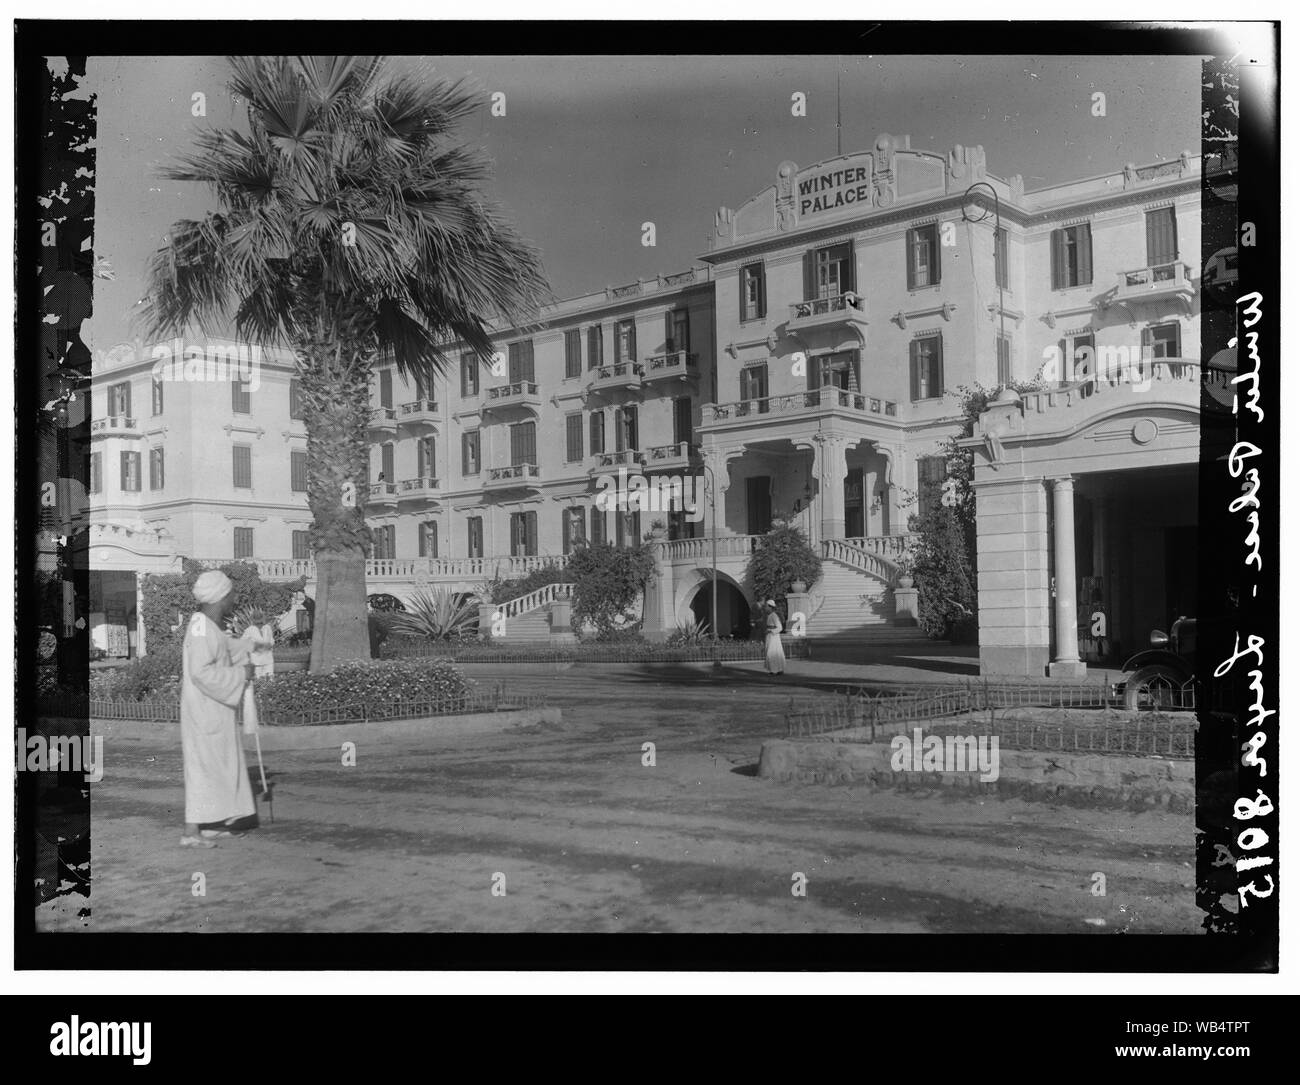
x: 711, y: 483
x: 997, y: 230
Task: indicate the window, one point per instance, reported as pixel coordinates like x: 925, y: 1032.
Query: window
x: 1161, y: 341
x: 1000, y: 258
x: 572, y: 353
x: 383, y: 541
x: 243, y: 542
x: 598, y: 535
x: 130, y: 472
x: 828, y: 272
x: 243, y: 462
x: 573, y: 527
x: 931, y: 473
x: 595, y: 347
x: 298, y: 471
x: 523, y: 443
x: 474, y: 530
x: 597, y: 432
x: 1072, y: 256
x: 386, y: 462
x: 301, y: 543
x: 626, y: 436
x: 295, y: 398
x: 753, y: 387
x: 523, y: 534
x: 683, y: 421
x: 627, y: 528
x: 386, y: 388
x: 677, y: 331
x: 1162, y: 237
x: 1081, y: 354
x: 753, y: 292
x: 96, y: 472
x: 468, y: 375
x: 521, y: 362
x: 927, y: 367
x: 573, y: 437
x: 241, y: 400
x: 119, y: 400
x: 157, y: 391
x: 428, y: 539
x: 469, y: 453
x: 1004, y: 360
x: 624, y: 341
x: 155, y: 468
x: 426, y: 458
x: 923, y: 256
x: 839, y: 370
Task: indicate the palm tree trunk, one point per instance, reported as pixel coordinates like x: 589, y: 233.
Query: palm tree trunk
x: 336, y: 412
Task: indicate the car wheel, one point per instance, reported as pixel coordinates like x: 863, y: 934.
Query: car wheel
x: 1154, y: 688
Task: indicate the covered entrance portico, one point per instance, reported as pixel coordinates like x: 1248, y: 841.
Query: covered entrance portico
x: 1085, y: 514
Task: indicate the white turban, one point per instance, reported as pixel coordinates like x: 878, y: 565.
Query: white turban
x: 771, y: 603
x: 212, y: 586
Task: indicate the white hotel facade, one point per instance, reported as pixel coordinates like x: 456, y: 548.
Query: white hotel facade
x: 802, y: 372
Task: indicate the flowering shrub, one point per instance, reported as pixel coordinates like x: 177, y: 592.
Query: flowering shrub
x: 153, y: 677
x: 289, y: 698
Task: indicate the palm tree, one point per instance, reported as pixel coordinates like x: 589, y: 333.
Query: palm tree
x: 352, y: 229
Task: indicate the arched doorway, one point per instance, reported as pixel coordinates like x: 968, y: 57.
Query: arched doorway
x: 733, y: 608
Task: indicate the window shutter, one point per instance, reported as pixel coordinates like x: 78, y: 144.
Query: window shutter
x: 1058, y: 259
x: 96, y: 472
x: 618, y: 429
x: 530, y: 528
x: 530, y: 374
x: 936, y: 268
x: 1162, y: 237
x: 762, y: 290
x: 938, y: 365
x: 809, y: 275
x: 386, y: 461
x: 743, y: 280
x: 669, y: 345
x: 851, y: 279
x: 126, y: 400
x: 1083, y: 236
x: 631, y: 342
x: 386, y: 388
x: 914, y: 365
x: 911, y: 263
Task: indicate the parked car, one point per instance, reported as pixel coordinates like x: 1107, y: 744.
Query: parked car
x: 1162, y: 675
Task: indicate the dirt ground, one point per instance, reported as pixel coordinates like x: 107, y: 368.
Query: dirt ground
x: 583, y: 837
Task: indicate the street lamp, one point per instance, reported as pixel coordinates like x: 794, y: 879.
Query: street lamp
x: 997, y: 230
x: 711, y: 485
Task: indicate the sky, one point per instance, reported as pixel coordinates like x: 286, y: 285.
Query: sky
x: 592, y: 147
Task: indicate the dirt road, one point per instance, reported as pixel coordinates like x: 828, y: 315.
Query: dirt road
x: 577, y: 835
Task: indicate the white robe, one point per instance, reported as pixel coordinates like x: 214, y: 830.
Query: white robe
x: 212, y: 685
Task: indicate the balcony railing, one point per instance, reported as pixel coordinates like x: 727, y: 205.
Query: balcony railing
x: 676, y: 365
x: 847, y: 306
x: 674, y: 455
x: 518, y: 394
x: 1155, y: 283
x: 519, y: 474
x: 420, y: 410
x: 383, y: 493
x: 119, y: 425
x: 619, y: 375
x: 701, y: 549
x: 820, y: 399
x: 629, y: 458
x: 416, y: 488
x: 383, y: 419
x: 1173, y: 376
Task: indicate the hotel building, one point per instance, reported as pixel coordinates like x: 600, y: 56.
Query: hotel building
x: 803, y: 372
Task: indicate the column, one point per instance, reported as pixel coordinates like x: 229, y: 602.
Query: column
x: 832, y: 467
x: 1067, y: 663
x: 1014, y: 605
x: 893, y: 519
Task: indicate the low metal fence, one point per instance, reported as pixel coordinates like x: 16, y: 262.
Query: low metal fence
x: 728, y: 651
x: 168, y: 711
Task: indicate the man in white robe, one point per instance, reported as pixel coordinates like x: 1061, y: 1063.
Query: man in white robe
x: 215, y: 669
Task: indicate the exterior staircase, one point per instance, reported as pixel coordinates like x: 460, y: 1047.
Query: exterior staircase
x: 528, y: 618
x: 854, y: 599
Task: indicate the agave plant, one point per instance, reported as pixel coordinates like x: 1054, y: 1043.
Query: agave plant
x: 437, y: 614
x: 249, y: 614
x: 691, y: 634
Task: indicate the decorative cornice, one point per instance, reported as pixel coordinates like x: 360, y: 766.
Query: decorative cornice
x: 945, y: 310
x: 232, y: 428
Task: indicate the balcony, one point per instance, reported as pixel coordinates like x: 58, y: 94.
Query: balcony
x: 420, y: 415
x: 520, y: 476
x: 836, y: 311
x: 674, y: 457
x: 383, y: 421
x: 620, y: 377
x: 629, y: 460
x: 519, y: 395
x: 1160, y: 282
x: 417, y: 490
x: 820, y: 403
x: 115, y: 425
x: 382, y: 495
x: 677, y: 365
